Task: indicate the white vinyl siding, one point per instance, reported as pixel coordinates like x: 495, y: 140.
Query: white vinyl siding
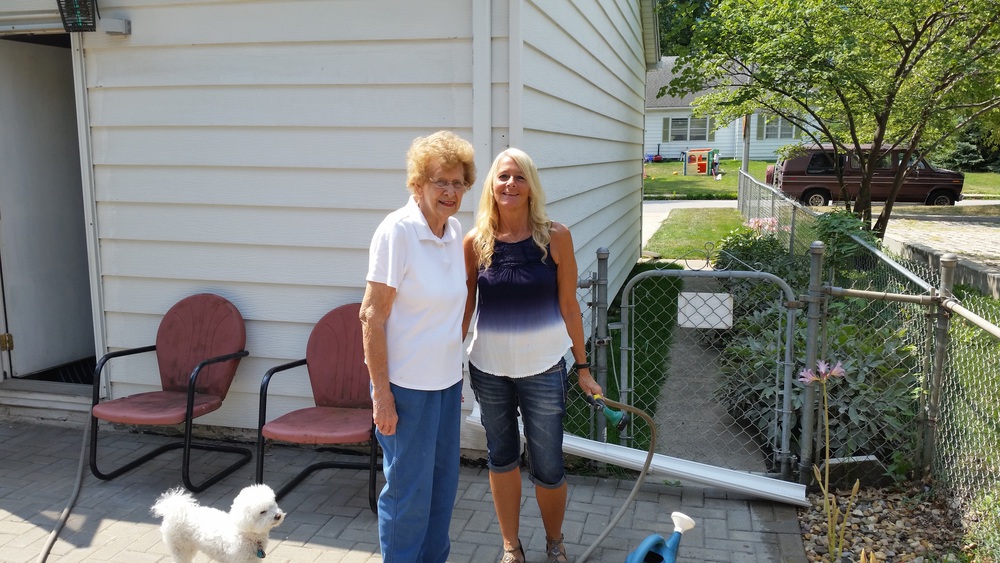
x: 583, y: 91
x: 728, y: 139
x: 240, y: 156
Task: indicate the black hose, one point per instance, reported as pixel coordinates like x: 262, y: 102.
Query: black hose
x: 54, y: 535
x: 638, y: 481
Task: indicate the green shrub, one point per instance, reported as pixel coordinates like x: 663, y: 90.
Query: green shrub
x: 873, y: 411
x: 750, y: 249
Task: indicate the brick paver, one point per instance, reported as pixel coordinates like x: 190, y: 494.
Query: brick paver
x: 328, y: 516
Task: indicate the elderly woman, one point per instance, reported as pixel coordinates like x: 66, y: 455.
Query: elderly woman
x: 522, y: 268
x: 412, y: 330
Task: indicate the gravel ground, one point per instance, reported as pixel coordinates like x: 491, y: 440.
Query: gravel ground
x: 895, y: 524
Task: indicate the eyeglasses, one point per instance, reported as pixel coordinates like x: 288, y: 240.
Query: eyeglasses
x: 458, y: 185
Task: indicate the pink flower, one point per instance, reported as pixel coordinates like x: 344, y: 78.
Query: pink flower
x: 807, y: 376
x: 823, y: 372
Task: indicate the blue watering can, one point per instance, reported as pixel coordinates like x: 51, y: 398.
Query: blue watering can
x: 654, y: 549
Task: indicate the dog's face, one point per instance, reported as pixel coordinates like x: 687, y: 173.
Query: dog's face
x: 255, y: 509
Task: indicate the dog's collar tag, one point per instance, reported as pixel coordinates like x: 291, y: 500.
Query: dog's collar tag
x: 260, y: 551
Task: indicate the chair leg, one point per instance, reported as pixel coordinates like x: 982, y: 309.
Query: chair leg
x: 245, y: 456
x: 371, y: 465
x: 260, y: 459
x: 105, y: 476
x: 186, y: 445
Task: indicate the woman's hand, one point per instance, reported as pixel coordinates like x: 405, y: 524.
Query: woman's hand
x: 587, y: 382
x: 384, y: 414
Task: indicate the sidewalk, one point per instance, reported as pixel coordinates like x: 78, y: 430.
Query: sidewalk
x: 328, y: 517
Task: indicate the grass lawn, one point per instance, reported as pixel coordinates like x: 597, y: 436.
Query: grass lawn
x: 685, y: 231
x: 982, y: 183
x: 667, y: 180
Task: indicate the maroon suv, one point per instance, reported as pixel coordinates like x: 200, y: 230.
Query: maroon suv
x: 812, y: 178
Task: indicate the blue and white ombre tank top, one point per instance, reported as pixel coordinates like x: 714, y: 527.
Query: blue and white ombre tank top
x: 519, y: 330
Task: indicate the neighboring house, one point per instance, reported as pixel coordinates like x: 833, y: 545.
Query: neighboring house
x: 671, y: 128
x: 250, y: 148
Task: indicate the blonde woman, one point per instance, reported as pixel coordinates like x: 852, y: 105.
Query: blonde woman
x: 521, y: 276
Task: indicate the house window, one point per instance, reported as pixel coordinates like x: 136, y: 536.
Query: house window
x: 698, y: 129
x: 775, y: 127
x: 688, y: 129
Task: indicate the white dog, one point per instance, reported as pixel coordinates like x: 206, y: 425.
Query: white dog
x: 237, y: 537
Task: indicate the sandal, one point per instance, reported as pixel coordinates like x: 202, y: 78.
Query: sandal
x: 513, y: 555
x: 556, y: 550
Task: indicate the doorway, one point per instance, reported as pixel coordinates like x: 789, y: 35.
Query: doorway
x: 46, y: 318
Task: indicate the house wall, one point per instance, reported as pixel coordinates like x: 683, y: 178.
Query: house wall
x: 582, y: 82
x: 250, y: 149
x: 728, y: 138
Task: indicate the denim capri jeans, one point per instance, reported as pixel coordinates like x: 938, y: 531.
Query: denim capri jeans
x: 542, y: 402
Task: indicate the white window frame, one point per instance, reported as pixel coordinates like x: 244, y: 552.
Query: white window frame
x: 775, y: 127
x: 670, y: 129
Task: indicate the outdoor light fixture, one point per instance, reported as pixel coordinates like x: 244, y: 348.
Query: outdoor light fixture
x: 78, y: 15
x: 83, y: 15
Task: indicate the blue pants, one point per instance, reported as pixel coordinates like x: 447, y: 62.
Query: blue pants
x: 541, y: 401
x: 421, y: 464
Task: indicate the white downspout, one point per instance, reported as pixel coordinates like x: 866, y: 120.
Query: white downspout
x: 515, y: 125
x: 482, y: 89
x: 89, y: 198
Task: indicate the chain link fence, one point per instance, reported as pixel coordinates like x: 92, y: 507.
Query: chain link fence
x: 921, y: 395
x: 714, y: 355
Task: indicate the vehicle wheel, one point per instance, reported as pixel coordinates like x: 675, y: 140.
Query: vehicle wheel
x: 816, y: 198
x: 940, y: 197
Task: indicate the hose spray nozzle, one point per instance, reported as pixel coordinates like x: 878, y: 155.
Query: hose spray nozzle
x: 617, y: 418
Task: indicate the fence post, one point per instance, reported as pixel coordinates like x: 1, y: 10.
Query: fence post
x: 948, y: 263
x: 601, y: 342
x: 774, y: 205
x: 809, y: 406
x: 791, y: 234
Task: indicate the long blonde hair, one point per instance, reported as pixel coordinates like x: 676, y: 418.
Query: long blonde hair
x: 488, y: 217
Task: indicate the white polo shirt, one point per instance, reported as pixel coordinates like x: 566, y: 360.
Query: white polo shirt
x: 424, y: 327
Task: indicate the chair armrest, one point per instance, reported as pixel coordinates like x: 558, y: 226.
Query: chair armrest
x: 262, y: 412
x: 192, y: 382
x: 216, y: 360
x: 269, y: 373
x: 104, y: 359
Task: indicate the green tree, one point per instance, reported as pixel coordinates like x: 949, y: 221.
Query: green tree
x: 971, y: 151
x: 890, y: 74
x: 677, y: 21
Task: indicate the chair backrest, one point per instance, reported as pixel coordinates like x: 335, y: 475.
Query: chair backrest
x: 195, y: 329
x: 335, y: 357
